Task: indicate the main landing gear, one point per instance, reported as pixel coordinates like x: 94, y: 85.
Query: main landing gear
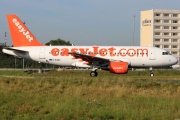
x: 151, y: 72
x: 94, y: 73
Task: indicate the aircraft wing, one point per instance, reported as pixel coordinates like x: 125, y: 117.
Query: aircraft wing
x: 88, y: 58
x: 16, y: 50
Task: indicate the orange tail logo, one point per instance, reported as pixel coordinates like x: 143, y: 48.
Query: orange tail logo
x: 20, y: 34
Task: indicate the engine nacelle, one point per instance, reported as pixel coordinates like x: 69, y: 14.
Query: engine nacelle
x: 118, y: 67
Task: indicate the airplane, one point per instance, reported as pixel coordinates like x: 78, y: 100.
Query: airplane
x: 116, y: 59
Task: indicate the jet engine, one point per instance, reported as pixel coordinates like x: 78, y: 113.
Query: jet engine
x: 118, y: 67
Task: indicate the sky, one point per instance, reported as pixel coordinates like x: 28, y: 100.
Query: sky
x: 82, y: 22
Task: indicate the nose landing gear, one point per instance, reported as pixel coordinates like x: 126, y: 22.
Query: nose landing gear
x: 151, y: 72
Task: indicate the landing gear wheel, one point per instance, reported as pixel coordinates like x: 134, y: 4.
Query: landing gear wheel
x: 151, y: 74
x: 93, y: 73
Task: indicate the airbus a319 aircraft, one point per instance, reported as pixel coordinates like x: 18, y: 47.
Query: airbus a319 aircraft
x: 116, y: 59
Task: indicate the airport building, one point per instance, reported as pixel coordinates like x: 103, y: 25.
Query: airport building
x: 161, y: 28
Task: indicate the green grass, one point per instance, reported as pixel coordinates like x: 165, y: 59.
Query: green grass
x: 75, y: 95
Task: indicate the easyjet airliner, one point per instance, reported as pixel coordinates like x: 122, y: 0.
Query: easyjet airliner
x: 116, y: 59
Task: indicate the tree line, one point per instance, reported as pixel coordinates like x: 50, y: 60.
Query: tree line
x: 9, y: 61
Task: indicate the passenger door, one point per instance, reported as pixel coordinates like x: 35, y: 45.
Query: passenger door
x: 42, y: 53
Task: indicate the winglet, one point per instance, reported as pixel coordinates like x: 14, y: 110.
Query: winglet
x: 21, y: 36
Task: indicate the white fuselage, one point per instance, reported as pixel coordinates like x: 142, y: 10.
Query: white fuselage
x: 59, y: 55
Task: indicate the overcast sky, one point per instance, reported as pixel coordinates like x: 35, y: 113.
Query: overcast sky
x: 82, y: 22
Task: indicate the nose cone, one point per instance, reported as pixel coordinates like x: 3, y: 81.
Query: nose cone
x: 174, y: 60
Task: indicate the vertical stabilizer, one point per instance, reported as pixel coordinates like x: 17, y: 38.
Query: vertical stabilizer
x: 20, y: 34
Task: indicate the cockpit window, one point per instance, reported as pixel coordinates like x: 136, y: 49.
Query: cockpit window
x: 166, y: 53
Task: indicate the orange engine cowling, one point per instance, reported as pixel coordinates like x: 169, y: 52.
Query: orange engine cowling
x: 118, y: 67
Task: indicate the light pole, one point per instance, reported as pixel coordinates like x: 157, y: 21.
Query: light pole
x: 15, y: 62
x: 179, y: 55
x: 5, y: 35
x: 133, y: 31
x: 133, y: 28
x: 23, y: 58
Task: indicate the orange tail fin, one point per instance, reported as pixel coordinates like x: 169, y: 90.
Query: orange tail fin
x: 20, y: 34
